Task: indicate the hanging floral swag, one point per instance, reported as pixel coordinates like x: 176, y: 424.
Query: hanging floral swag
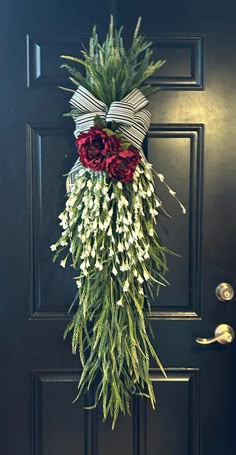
x: 109, y: 223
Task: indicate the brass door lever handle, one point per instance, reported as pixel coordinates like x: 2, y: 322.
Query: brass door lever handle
x: 224, y: 334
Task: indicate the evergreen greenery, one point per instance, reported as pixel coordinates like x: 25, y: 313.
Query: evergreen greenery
x: 111, y: 71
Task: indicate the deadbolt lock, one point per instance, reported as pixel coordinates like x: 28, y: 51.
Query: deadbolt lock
x: 224, y: 292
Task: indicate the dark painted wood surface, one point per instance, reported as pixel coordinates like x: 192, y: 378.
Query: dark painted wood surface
x: 192, y: 142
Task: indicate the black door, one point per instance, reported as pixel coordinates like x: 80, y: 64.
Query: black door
x: 192, y: 142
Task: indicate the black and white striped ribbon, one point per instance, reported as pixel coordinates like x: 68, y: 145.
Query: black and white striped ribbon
x: 139, y: 128
x: 133, y: 120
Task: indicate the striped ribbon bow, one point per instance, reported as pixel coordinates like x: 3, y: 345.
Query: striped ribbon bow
x: 133, y: 121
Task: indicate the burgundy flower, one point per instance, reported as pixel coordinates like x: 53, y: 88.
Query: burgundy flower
x: 121, y: 166
x: 94, y: 146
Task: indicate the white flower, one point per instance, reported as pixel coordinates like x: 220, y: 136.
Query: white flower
x: 126, y: 286
x: 146, y: 275
x: 94, y: 225
x: 151, y: 187
x: 91, y: 203
x: 117, y: 260
x: 153, y: 212
x: 114, y: 271
x: 78, y: 284
x: 140, y: 291
x: 183, y: 209
x: 111, y: 252
x: 89, y: 184
x: 63, y: 263
x: 62, y: 216
x: 83, y: 265
x: 119, y: 229
x: 131, y: 240
x: 125, y: 202
x: 53, y: 247
x: 158, y: 203
x: 98, y: 265
x: 64, y: 225
x: 101, y: 226
x: 173, y: 193
x: 161, y: 177
x: 120, y: 247
x: 119, y: 185
x: 140, y: 279
x: 63, y: 243
x: 123, y: 268
x: 105, y: 189
x: 120, y: 302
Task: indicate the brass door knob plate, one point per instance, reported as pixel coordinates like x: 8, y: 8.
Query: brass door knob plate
x: 224, y: 292
x: 224, y: 334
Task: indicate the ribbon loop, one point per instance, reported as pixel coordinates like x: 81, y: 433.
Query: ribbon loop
x: 137, y: 99
x: 136, y: 133
x: 85, y: 101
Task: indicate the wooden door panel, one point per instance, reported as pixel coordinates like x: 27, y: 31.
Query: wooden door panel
x: 184, y: 54
x: 53, y: 428
x: 43, y: 59
x: 49, y: 157
x: 178, y: 150
x: 177, y: 430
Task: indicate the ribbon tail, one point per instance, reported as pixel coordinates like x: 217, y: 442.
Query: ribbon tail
x: 70, y: 180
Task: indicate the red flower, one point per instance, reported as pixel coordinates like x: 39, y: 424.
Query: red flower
x: 121, y: 165
x: 93, y: 147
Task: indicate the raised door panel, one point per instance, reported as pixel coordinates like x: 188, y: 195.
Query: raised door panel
x: 176, y: 152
